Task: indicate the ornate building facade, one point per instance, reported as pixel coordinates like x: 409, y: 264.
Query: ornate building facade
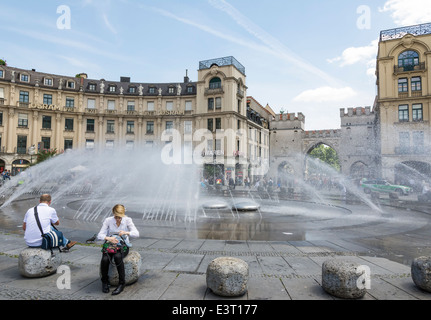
x: 47, y: 111
x: 403, y: 107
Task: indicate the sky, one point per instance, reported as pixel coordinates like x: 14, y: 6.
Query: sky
x: 310, y: 56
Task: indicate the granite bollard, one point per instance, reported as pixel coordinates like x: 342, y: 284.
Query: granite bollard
x: 37, y: 263
x: 132, y: 268
x: 421, y: 272
x: 343, y: 279
x: 227, y: 276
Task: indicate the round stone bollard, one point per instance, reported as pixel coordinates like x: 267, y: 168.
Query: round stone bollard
x: 421, y: 272
x: 343, y: 279
x: 227, y: 276
x: 132, y: 268
x: 37, y: 263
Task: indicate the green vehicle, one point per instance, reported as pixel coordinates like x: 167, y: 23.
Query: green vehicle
x: 378, y: 185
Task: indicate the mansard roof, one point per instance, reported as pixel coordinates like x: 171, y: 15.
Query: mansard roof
x: 82, y: 84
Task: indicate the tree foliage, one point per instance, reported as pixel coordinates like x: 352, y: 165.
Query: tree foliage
x: 45, y: 154
x: 327, y: 155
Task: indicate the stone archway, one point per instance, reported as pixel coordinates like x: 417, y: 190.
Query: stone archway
x: 324, y: 163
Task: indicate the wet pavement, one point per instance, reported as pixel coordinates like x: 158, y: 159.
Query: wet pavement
x: 284, y: 250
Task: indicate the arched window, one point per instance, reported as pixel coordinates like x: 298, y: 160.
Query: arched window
x: 408, y: 58
x: 215, y: 83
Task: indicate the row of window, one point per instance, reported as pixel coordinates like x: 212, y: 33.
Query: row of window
x: 404, y: 114
x: 70, y: 84
x: 91, y: 103
x: 90, y: 124
x: 112, y: 88
x: 417, y: 139
x: 68, y: 144
x: 415, y: 83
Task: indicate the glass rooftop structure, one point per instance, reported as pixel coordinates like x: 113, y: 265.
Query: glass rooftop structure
x: 226, y: 61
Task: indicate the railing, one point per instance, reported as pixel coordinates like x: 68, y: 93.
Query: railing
x: 226, y: 61
x: 398, y: 33
x: 1, y: 101
x: 407, y: 68
x: 217, y: 90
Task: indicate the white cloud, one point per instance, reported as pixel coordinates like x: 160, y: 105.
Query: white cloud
x: 325, y: 94
x: 409, y: 12
x: 354, y: 55
x: 365, y: 55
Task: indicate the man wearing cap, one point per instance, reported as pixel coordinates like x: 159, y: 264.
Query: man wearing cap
x: 123, y: 226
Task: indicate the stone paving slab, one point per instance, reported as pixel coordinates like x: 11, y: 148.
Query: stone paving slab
x: 174, y: 269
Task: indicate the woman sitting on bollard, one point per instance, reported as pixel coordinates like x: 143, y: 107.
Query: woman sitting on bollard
x: 124, y: 227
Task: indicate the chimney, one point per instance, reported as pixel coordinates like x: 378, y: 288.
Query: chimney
x: 186, y: 78
x: 82, y: 75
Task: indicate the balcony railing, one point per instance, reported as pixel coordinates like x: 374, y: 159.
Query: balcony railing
x: 23, y: 104
x: 408, y: 68
x: 1, y: 101
x: 398, y: 33
x: 214, y: 90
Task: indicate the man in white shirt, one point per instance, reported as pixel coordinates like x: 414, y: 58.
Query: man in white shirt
x: 47, y: 216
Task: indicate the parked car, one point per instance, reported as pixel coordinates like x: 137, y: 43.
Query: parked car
x: 379, y: 185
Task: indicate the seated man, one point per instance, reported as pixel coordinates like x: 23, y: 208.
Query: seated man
x: 47, y: 216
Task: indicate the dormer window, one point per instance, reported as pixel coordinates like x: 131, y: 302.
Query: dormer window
x: 25, y: 78
x: 47, y: 82
x: 171, y: 90
x: 112, y: 88
x: 1, y: 73
x: 92, y: 87
x: 151, y: 90
x: 132, y: 89
x: 70, y: 84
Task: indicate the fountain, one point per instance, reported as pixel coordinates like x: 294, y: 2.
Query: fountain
x: 167, y: 200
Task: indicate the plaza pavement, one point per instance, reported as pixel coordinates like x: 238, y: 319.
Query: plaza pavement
x: 174, y: 269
